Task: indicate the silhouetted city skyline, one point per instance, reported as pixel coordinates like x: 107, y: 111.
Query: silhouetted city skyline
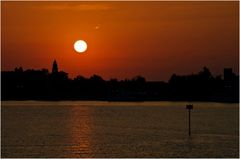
x: 56, y: 85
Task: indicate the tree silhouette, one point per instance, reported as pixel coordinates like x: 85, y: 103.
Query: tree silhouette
x: 41, y: 85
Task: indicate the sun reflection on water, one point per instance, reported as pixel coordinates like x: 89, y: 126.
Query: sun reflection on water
x: 80, y: 131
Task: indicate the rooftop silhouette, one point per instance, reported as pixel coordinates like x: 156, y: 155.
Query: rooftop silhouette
x: 42, y: 85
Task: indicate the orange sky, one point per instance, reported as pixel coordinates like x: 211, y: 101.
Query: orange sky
x: 152, y: 39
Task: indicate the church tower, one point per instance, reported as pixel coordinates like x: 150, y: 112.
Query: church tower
x: 54, y: 67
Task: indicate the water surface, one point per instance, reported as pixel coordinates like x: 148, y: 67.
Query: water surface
x: 118, y: 129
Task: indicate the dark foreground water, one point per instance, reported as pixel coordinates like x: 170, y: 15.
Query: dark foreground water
x: 118, y: 129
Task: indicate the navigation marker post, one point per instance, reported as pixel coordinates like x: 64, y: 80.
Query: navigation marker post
x: 189, y: 107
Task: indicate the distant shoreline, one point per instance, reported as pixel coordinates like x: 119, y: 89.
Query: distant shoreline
x: 57, y: 86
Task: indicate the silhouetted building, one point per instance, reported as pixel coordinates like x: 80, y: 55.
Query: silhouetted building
x: 228, y: 74
x: 228, y: 77
x: 33, y: 84
x: 54, y: 67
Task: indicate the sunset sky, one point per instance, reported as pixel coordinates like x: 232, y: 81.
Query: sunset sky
x: 152, y: 39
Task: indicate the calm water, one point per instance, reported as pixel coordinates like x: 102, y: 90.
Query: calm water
x: 118, y: 129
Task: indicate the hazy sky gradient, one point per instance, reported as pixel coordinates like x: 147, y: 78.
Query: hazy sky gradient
x: 152, y: 39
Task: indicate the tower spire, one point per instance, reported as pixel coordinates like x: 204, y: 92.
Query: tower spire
x: 54, y: 67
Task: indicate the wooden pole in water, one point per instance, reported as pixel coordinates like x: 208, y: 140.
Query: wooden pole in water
x: 189, y: 122
x: 189, y: 107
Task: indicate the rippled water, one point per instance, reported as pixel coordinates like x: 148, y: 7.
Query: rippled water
x: 118, y: 129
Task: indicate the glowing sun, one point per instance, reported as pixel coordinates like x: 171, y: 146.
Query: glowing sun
x: 80, y: 46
